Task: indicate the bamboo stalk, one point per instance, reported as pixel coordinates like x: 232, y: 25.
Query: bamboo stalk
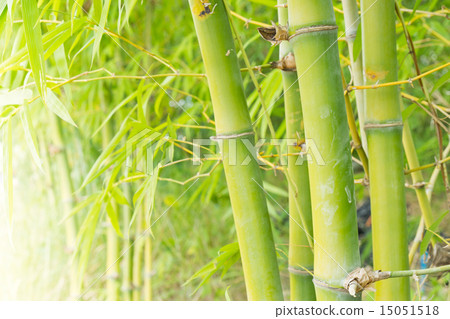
x: 147, y: 293
x: 126, y: 249
x: 301, y: 255
x: 429, y: 191
x: 352, y: 21
x: 417, y: 177
x: 137, y: 255
x: 384, y: 139
x: 232, y: 118
x: 112, y: 241
x: 331, y: 184
x: 65, y: 201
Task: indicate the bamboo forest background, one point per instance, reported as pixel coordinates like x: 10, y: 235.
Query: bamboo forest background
x: 108, y: 70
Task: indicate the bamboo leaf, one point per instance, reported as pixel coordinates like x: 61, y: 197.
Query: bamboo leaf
x: 93, y: 172
x: 57, y: 107
x: 228, y: 255
x: 30, y: 135
x: 15, y: 97
x: 275, y: 190
x: 51, y: 41
x: 416, y: 6
x: 119, y: 196
x: 2, y: 6
x: 113, y: 216
x: 86, y: 234
x: 443, y: 80
x: 429, y: 233
x: 33, y: 36
x: 63, y: 69
x: 81, y: 205
x: 227, y: 296
x: 99, y: 28
x: 406, y: 113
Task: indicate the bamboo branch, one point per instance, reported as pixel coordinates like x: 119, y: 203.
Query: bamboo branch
x: 360, y: 278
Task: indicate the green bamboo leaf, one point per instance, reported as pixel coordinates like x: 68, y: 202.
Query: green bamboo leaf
x: 43, y: 12
x: 416, y: 6
x: 407, y: 112
x: 51, y: 41
x: 227, y: 296
x: 101, y: 160
x: 429, y: 233
x: 57, y: 107
x: 30, y: 135
x: 100, y: 28
x: 97, y: 10
x: 63, y: 69
x: 443, y: 80
x: 86, y: 234
x: 33, y: 36
x: 80, y: 206
x: 2, y: 6
x: 152, y: 193
x: 14, y: 97
x: 113, y: 216
x: 275, y: 189
x: 269, y: 3
x: 129, y: 5
x: 119, y: 196
x: 227, y: 256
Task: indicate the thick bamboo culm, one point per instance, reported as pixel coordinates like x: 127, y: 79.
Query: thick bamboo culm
x: 384, y: 138
x: 316, y: 52
x: 233, y: 125
x: 301, y: 258
x: 352, y: 22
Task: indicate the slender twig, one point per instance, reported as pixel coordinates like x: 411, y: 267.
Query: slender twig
x: 249, y: 21
x: 375, y: 86
x: 427, y: 166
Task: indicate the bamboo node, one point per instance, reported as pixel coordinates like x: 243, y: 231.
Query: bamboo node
x: 318, y: 28
x: 416, y: 185
x: 227, y: 137
x: 323, y: 284
x: 287, y: 63
x: 303, y: 272
x: 383, y: 125
x: 360, y: 278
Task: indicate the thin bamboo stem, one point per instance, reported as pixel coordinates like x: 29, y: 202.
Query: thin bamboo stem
x: 384, y: 138
x: 357, y: 143
x: 352, y: 21
x: 147, y: 289
x: 232, y: 117
x: 126, y: 243
x: 137, y: 254
x: 66, y: 197
x: 112, y: 241
x: 300, y: 249
x: 331, y: 185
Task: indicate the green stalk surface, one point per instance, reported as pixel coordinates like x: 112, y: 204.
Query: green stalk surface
x: 244, y: 181
x: 331, y: 181
x: 384, y: 139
